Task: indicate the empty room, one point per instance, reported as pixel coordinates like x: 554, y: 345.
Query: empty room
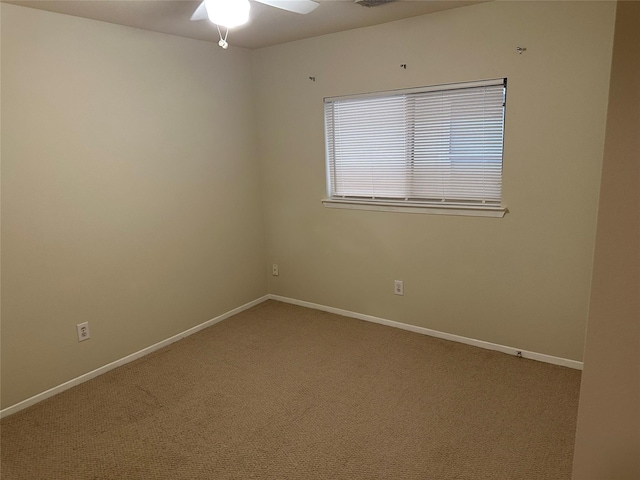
x: 320, y: 239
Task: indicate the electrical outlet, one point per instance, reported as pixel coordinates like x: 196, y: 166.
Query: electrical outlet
x: 274, y: 270
x: 83, y: 331
x: 398, y: 287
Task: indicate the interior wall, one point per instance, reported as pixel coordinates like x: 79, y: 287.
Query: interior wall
x: 130, y: 192
x: 522, y: 280
x: 608, y: 433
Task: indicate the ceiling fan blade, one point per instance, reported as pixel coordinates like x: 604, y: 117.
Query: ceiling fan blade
x: 200, y: 13
x: 295, y: 6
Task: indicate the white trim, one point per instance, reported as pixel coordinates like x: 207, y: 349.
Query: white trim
x: 416, y: 207
x: 129, y: 358
x: 360, y: 316
x: 427, y: 88
x: 564, y: 362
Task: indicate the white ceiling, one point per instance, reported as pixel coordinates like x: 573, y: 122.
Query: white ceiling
x: 267, y: 25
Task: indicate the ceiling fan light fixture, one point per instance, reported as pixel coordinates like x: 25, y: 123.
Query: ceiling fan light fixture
x: 228, y: 13
x: 372, y: 3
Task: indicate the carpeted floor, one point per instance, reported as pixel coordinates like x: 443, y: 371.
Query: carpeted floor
x: 284, y: 392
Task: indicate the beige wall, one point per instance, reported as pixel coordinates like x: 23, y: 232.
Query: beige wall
x: 130, y: 192
x: 608, y: 434
x: 522, y: 280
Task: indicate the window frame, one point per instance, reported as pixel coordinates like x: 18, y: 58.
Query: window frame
x: 413, y: 205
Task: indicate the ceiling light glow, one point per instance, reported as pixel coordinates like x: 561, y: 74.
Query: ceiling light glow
x: 228, y: 13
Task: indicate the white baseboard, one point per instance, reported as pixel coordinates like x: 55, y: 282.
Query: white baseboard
x: 434, y: 333
x: 412, y: 328
x: 129, y: 358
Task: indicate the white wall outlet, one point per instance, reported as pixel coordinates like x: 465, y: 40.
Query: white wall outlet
x: 83, y: 331
x: 398, y: 287
x: 274, y: 270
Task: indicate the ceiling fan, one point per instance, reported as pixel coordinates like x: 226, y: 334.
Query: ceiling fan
x: 232, y: 13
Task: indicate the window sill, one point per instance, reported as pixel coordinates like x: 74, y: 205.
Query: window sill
x: 417, y: 207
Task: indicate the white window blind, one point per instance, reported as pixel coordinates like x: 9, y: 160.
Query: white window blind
x: 440, y: 145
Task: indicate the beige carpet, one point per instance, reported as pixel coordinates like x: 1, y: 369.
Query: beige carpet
x: 284, y: 392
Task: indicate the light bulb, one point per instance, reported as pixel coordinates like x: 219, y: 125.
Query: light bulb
x: 228, y: 13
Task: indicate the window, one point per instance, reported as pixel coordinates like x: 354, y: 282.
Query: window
x: 432, y: 148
